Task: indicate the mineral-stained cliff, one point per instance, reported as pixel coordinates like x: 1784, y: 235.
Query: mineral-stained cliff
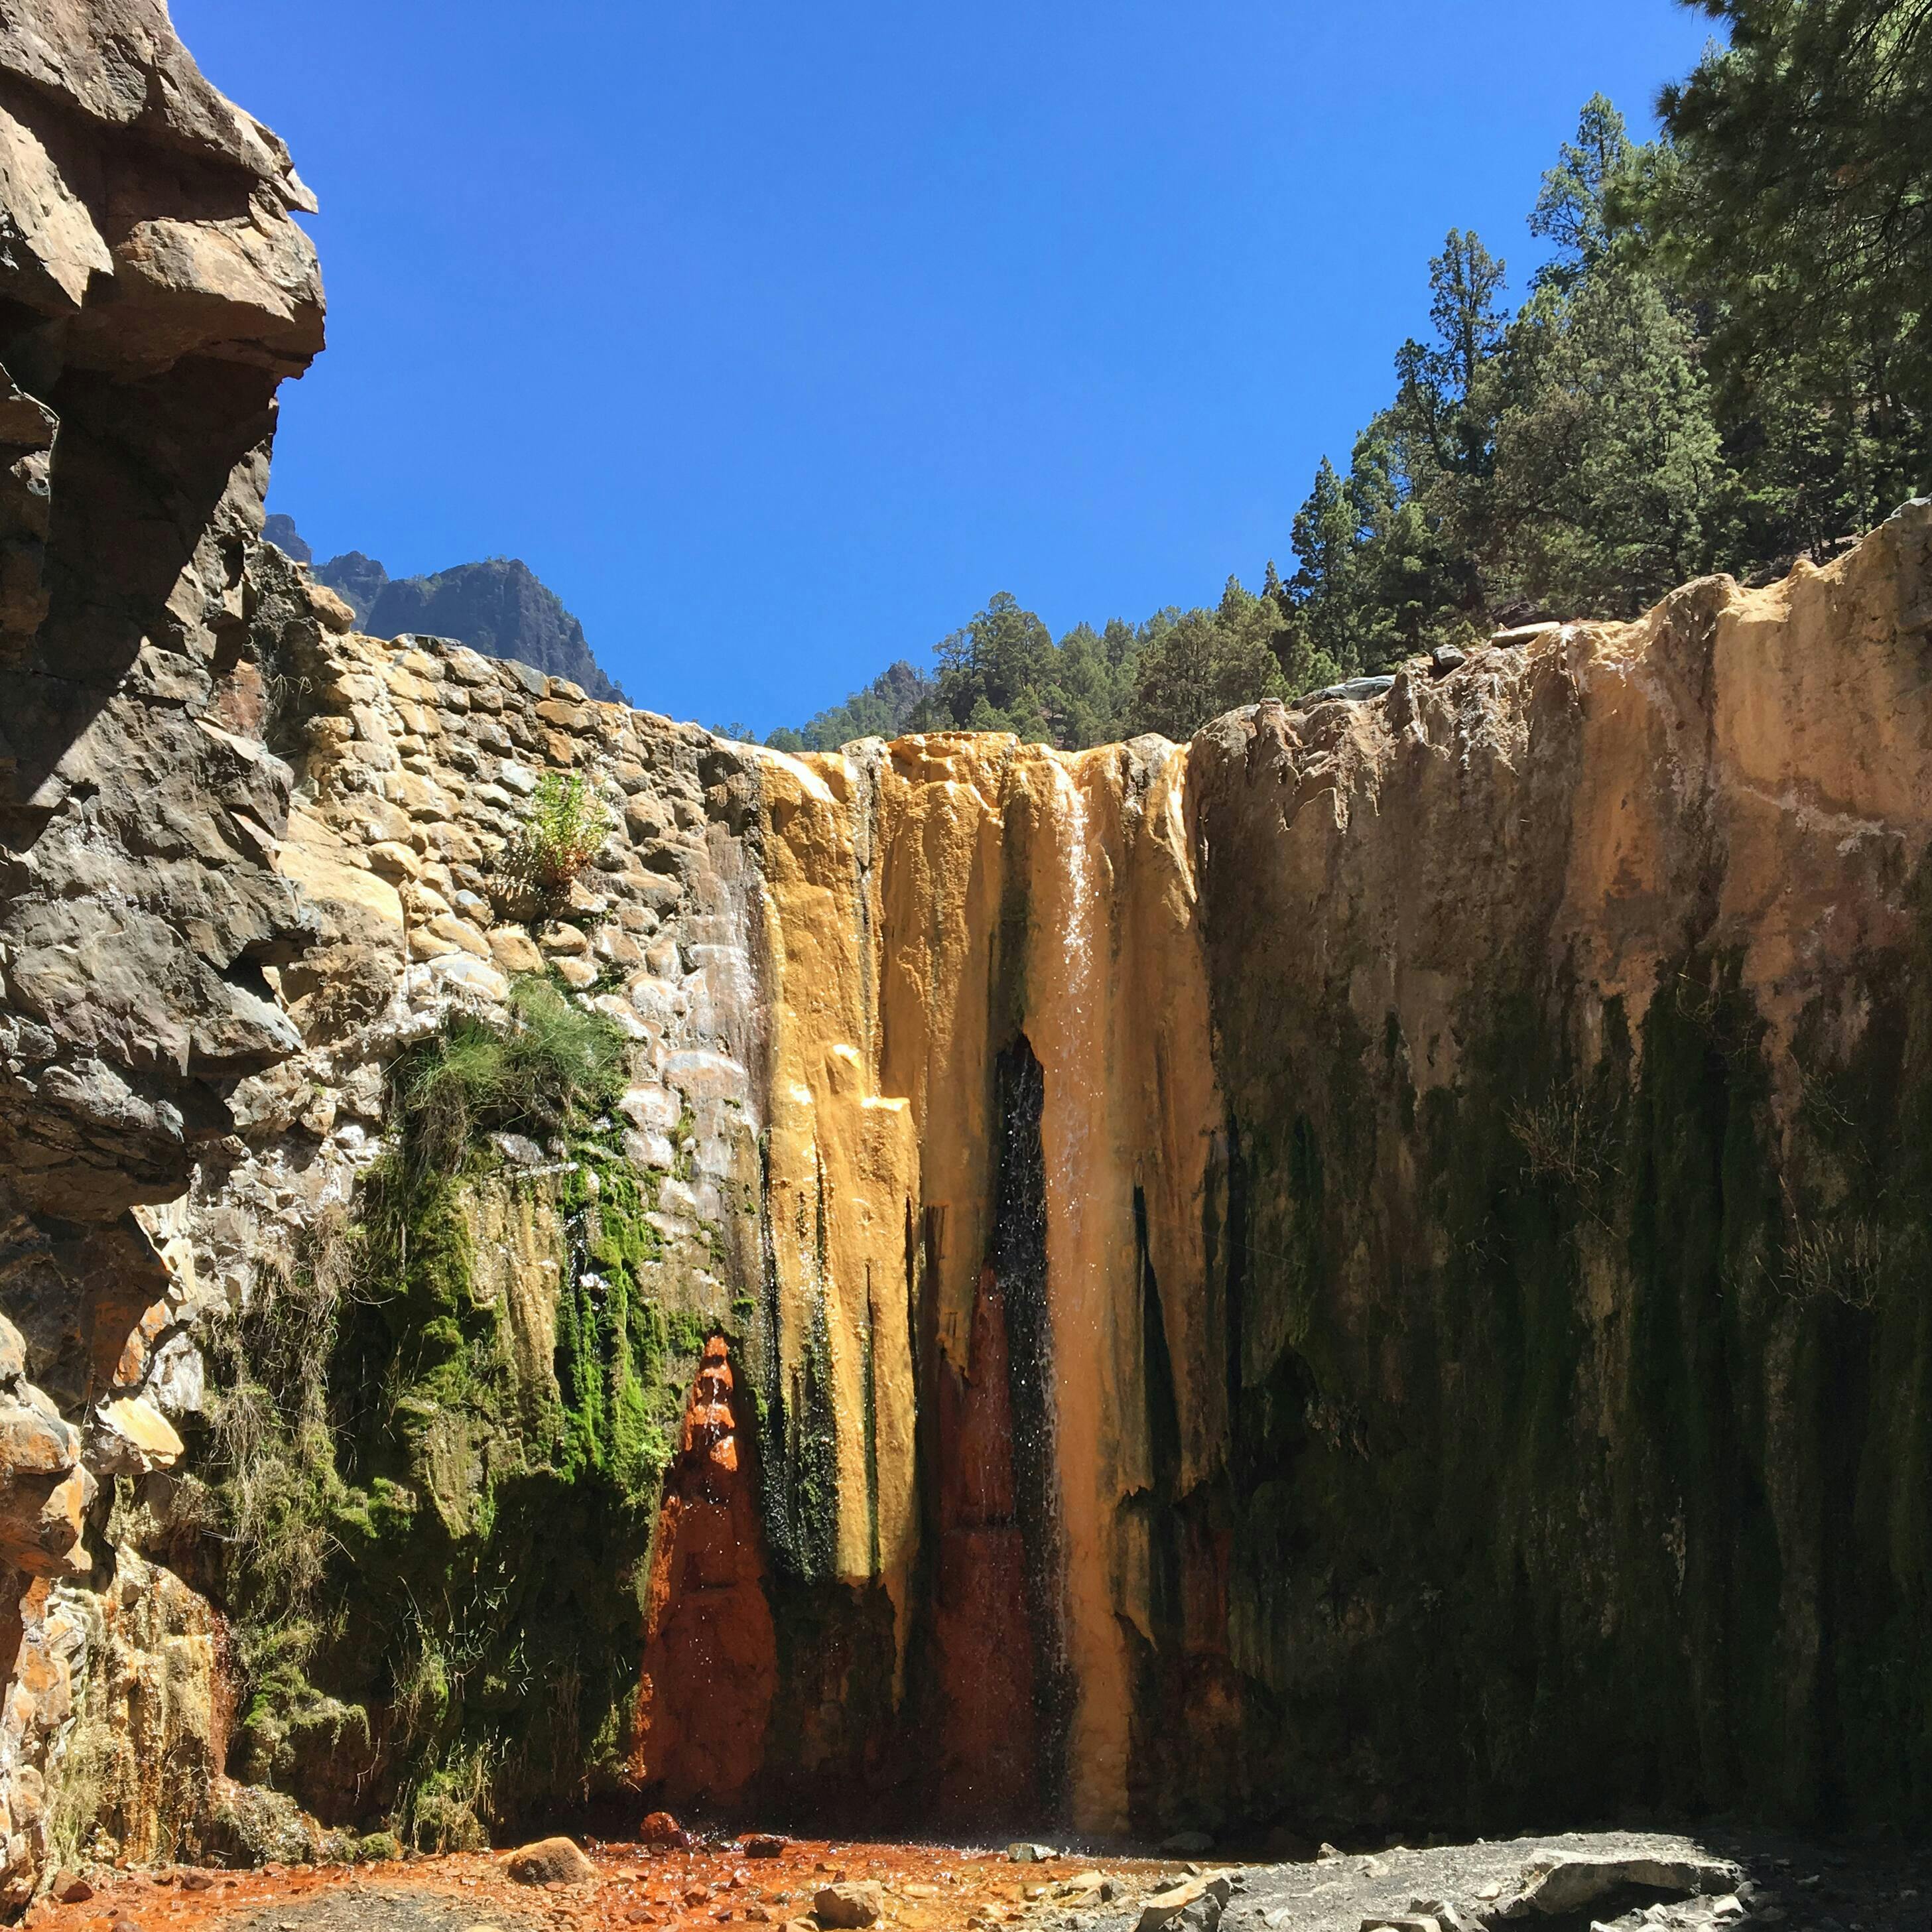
x: 1361, y: 1271
x: 1367, y: 1270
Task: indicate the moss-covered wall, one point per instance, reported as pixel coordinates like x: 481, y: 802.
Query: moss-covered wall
x: 1572, y: 1220
x: 440, y: 1615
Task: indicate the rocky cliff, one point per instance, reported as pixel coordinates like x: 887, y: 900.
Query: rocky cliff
x: 499, y: 606
x: 1362, y: 1271
x: 156, y: 292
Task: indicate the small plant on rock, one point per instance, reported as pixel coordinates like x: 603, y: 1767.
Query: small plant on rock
x: 553, y: 1064
x: 557, y: 843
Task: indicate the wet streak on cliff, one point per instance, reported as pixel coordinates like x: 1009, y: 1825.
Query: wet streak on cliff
x: 710, y: 1666
x: 985, y: 1763
x: 1190, y: 1704
x: 1018, y: 1264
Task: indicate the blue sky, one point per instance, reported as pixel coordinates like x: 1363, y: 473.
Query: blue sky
x: 777, y: 337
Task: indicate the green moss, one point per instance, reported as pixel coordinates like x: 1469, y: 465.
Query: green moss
x: 1630, y: 1368
x: 466, y: 1533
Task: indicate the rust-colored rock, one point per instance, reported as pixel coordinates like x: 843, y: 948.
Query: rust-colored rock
x: 848, y: 1907
x: 661, y: 1829
x: 710, y: 1666
x: 986, y: 1741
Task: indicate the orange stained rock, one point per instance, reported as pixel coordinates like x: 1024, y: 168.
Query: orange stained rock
x: 930, y: 1887
x: 928, y: 902
x: 710, y: 1670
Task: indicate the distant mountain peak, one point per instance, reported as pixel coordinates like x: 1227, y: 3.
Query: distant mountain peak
x: 280, y: 530
x: 499, y: 606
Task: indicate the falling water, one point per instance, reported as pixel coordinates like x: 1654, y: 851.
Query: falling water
x: 1067, y: 1024
x: 1073, y: 1048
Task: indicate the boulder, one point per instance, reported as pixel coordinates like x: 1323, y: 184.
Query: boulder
x: 1351, y: 691
x: 1553, y: 1887
x: 1196, y: 1903
x: 559, y: 1861
x: 842, y: 1908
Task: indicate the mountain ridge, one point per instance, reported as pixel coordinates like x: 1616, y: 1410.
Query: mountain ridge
x: 497, y: 605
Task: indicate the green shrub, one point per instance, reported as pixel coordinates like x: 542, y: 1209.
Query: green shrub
x: 555, y: 1066
x: 563, y: 826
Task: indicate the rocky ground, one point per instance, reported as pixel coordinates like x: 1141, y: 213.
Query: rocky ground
x: 1632, y: 1882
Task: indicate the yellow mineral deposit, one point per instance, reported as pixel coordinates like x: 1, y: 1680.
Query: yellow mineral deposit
x: 911, y: 891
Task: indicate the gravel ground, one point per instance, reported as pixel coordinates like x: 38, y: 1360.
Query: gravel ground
x: 1738, y: 1883
x: 371, y: 1909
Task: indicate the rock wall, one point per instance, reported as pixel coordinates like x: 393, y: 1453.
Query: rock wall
x: 153, y: 291
x: 1571, y: 1014
x: 1413, y: 1308
x: 1365, y: 1271
x: 1397, y: 1221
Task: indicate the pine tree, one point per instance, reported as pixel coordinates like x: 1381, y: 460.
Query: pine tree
x: 1206, y: 662
x: 1794, y: 202
x: 1609, y: 485
x: 1572, y: 207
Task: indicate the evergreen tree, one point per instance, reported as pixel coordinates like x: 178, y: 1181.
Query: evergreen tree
x: 997, y: 674
x: 1572, y: 207
x: 1794, y: 203
x: 1206, y: 662
x: 1609, y: 486
x: 1414, y: 585
x: 1446, y: 389
x: 1326, y: 536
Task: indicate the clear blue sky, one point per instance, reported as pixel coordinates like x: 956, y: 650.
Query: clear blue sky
x: 777, y: 337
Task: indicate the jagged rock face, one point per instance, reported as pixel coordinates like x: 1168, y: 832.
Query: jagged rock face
x: 153, y: 291
x: 156, y: 292
x: 499, y: 606
x: 1570, y: 1017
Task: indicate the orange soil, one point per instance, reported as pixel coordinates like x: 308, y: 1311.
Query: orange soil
x: 929, y: 1888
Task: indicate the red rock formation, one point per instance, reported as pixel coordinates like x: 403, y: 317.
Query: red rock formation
x: 710, y: 1665
x: 983, y: 1646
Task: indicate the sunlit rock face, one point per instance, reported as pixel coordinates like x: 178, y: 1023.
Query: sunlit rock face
x: 1361, y: 1273
x: 153, y: 291
x: 1413, y: 1215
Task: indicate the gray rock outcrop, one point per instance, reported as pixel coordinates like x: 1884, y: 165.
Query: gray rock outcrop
x: 158, y: 291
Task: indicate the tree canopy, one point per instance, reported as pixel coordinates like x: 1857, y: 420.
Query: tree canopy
x: 1724, y: 362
